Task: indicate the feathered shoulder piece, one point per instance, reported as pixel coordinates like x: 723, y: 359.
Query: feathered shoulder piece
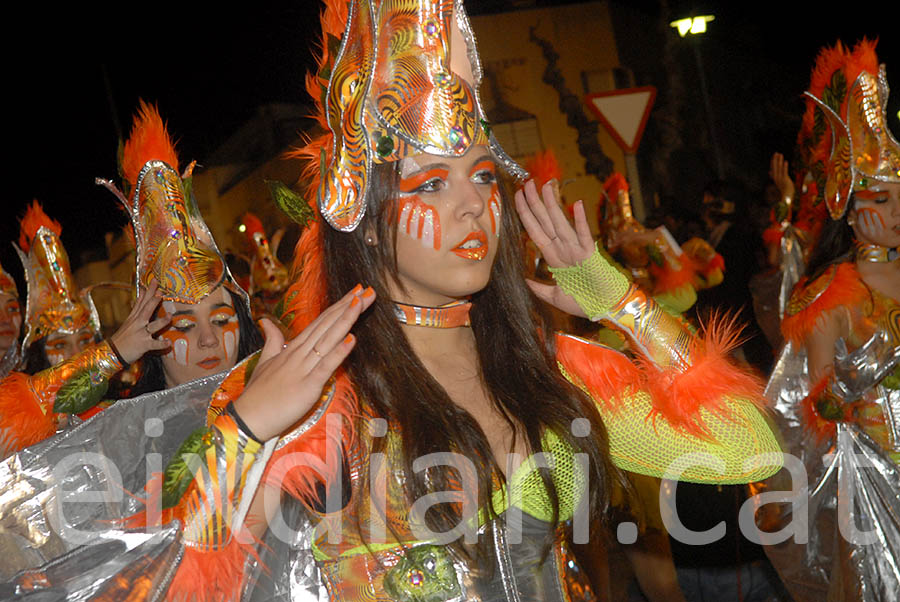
x: 838, y: 286
x: 32, y: 221
x: 149, y: 140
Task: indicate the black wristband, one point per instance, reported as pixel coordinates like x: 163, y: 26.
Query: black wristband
x: 229, y: 409
x: 116, y: 351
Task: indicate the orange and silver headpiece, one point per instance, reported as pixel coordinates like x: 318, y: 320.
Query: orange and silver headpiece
x: 53, y: 303
x: 850, y: 90
x: 404, y: 81
x: 267, y: 274
x: 173, y: 244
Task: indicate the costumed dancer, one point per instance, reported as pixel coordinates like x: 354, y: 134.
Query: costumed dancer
x: 60, y: 323
x: 655, y: 259
x: 836, y: 385
x: 204, y: 327
x: 446, y: 355
x: 10, y: 324
x: 268, y: 276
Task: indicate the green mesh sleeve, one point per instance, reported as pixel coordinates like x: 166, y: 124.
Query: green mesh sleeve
x: 595, y: 284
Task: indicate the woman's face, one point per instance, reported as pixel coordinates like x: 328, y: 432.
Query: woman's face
x: 204, y: 338
x: 448, y: 229
x: 876, y: 215
x: 59, y: 347
x: 10, y: 321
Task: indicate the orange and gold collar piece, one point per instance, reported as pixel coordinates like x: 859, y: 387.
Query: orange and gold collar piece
x: 452, y: 315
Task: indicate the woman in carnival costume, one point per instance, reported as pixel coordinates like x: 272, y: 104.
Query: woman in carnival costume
x: 390, y: 443
x: 203, y: 328
x: 837, y: 382
x: 10, y: 323
x: 448, y: 354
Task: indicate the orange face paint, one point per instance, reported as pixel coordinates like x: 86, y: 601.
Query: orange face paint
x: 494, y: 201
x: 226, y: 317
x: 416, y: 218
x: 872, y: 216
x: 176, y: 334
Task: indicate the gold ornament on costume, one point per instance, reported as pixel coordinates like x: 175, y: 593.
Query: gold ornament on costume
x: 405, y: 81
x: 851, y: 91
x: 54, y: 304
x: 173, y: 244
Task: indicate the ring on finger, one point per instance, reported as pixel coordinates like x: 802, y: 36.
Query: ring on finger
x: 316, y: 351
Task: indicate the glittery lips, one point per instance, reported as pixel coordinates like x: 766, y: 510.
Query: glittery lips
x: 474, y: 246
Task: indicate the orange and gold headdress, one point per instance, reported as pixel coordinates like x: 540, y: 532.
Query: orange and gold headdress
x: 847, y: 99
x: 173, y: 244
x: 395, y: 79
x: 53, y: 302
x: 267, y: 274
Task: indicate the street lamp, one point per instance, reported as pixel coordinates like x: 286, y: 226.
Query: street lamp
x: 695, y: 26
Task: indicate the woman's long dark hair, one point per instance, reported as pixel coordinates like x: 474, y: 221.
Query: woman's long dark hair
x: 835, y: 245
x: 153, y: 378
x: 35, y: 358
x: 516, y: 352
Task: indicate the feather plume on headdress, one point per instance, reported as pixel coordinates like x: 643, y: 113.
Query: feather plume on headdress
x: 32, y: 221
x: 305, y: 299
x: 849, y: 141
x: 149, y: 140
x: 543, y: 167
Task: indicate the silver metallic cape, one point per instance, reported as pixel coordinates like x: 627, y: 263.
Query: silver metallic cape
x: 10, y: 360
x: 851, y: 499
x: 61, y: 500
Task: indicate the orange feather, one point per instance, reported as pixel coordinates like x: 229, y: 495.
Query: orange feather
x: 22, y: 422
x: 543, y: 167
x: 32, y: 221
x: 606, y: 373
x: 679, y: 393
x: 149, y: 140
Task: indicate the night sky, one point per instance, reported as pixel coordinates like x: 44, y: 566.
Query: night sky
x: 209, y: 66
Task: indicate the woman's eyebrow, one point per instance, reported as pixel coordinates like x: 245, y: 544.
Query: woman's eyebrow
x: 221, y: 305
x: 184, y: 312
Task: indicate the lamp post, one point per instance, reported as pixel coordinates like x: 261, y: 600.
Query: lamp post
x: 697, y: 26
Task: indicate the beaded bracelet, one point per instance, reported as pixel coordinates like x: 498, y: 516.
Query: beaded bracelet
x: 231, y: 411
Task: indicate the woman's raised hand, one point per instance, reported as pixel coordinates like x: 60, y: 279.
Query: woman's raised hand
x: 778, y: 171
x: 289, y: 378
x: 560, y: 244
x: 135, y: 336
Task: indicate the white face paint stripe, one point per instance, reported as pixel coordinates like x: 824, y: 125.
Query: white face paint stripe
x: 404, y: 216
x: 428, y: 230
x: 180, y: 349
x: 229, y: 344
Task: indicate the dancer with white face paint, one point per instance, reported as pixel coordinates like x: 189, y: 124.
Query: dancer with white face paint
x: 190, y: 320
x: 836, y: 385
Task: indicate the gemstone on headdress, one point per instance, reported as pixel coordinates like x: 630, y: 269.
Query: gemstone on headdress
x: 416, y: 578
x: 384, y: 146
